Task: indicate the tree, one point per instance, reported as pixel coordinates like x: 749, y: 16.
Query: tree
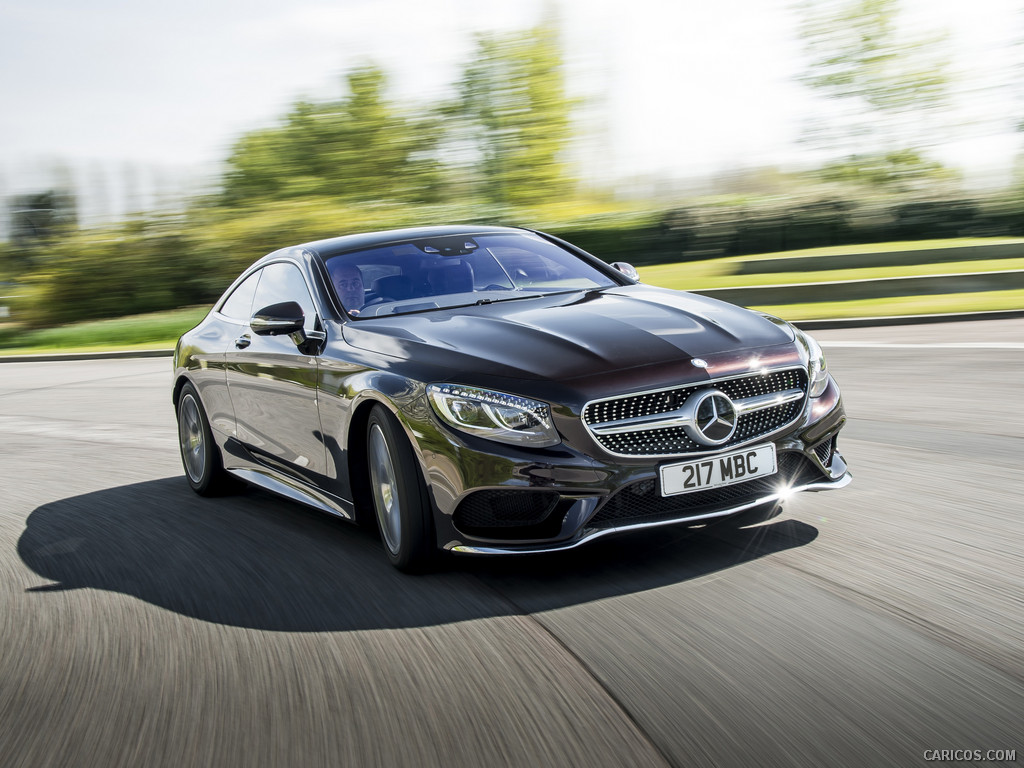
x: 38, y: 216
x: 889, y: 95
x: 513, y: 117
x: 357, y: 148
x: 34, y: 221
x: 891, y: 169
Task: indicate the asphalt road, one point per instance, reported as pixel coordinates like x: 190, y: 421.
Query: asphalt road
x: 141, y: 625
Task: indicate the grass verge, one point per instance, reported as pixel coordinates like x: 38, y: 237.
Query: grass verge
x: 989, y: 301
x: 891, y: 247
x: 156, y: 330
x: 696, y: 277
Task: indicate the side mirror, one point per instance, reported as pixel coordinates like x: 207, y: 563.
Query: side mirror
x: 627, y: 269
x: 278, y: 319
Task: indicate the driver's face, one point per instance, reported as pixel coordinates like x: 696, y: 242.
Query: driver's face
x: 349, y: 284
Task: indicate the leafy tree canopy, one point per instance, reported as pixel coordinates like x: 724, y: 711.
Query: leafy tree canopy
x: 888, y: 91
x: 360, y: 147
x: 902, y: 169
x: 514, y: 115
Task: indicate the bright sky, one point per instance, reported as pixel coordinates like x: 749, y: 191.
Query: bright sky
x: 674, y: 87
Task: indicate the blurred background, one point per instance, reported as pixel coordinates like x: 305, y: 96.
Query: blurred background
x: 149, y: 153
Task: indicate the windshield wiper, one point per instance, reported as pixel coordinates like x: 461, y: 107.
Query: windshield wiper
x: 485, y: 301
x: 587, y: 293
x: 480, y: 302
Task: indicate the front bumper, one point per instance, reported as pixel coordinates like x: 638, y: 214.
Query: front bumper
x: 569, y: 498
x: 589, y: 533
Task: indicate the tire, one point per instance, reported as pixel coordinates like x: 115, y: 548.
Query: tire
x: 200, y: 456
x: 758, y: 514
x: 400, y: 500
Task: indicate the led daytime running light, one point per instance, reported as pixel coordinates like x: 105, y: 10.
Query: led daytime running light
x: 479, y: 412
x: 494, y: 398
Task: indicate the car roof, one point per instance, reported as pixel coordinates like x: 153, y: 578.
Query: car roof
x: 335, y: 245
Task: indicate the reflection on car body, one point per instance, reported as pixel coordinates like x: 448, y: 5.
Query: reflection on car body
x: 497, y: 390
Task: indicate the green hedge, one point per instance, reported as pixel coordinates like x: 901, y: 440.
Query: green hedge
x: 157, y: 263
x: 140, y: 268
x: 764, y: 227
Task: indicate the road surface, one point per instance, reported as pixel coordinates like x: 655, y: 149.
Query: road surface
x: 141, y: 625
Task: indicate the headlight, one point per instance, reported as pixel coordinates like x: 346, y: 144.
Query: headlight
x: 494, y: 415
x: 817, y: 369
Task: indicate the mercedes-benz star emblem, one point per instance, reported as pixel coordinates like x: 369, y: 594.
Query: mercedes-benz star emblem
x: 699, y: 362
x: 714, y: 417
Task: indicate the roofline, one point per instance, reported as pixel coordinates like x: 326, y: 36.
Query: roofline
x: 335, y: 245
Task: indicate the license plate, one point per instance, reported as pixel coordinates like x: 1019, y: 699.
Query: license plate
x: 716, y: 471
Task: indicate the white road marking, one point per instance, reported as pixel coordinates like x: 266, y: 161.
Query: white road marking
x: 936, y: 345
x: 137, y: 436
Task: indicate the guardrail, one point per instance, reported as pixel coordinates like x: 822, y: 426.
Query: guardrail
x: 879, y: 288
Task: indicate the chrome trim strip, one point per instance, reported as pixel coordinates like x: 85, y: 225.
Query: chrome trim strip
x: 681, y: 417
x: 748, y: 404
x: 277, y: 484
x: 678, y: 418
x: 841, y: 482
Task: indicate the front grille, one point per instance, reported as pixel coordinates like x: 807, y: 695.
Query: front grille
x: 508, y: 514
x: 669, y: 441
x: 642, y: 502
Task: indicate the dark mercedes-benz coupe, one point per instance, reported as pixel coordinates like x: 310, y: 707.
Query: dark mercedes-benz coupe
x: 498, y: 390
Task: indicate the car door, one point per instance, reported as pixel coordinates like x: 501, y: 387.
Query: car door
x: 273, y: 383
x: 230, y: 320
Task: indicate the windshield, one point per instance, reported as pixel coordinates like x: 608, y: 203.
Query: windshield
x: 451, y: 271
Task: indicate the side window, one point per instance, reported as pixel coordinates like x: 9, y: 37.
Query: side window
x: 238, y: 305
x: 284, y: 282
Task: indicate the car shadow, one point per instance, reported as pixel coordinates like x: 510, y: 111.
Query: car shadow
x: 256, y: 561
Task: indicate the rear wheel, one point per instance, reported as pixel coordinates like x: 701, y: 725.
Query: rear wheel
x: 400, y: 498
x: 200, y: 456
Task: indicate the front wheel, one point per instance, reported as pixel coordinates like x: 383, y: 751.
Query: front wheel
x: 400, y: 498
x: 200, y: 456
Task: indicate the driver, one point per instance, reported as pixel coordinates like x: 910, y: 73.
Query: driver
x: 348, y: 282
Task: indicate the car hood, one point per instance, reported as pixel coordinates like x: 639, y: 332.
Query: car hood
x: 569, y: 336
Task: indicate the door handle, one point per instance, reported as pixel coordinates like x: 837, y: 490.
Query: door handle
x: 243, y: 341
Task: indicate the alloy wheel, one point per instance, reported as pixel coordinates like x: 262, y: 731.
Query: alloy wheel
x: 190, y: 434
x: 385, y: 491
